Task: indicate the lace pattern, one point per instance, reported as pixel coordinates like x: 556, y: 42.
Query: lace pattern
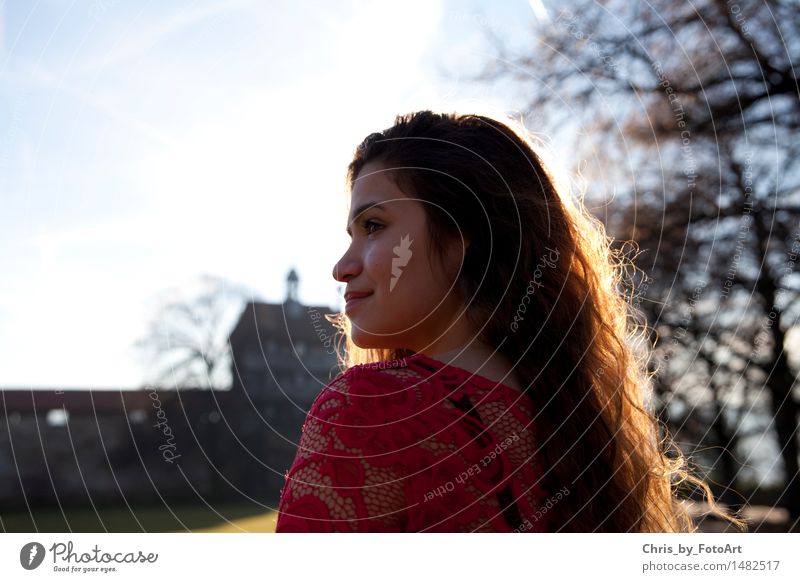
x: 415, y: 446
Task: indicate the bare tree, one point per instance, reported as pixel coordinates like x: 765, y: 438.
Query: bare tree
x: 187, y: 341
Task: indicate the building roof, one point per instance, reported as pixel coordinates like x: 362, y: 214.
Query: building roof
x: 287, y: 322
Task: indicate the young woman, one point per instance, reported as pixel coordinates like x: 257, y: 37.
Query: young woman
x: 492, y: 380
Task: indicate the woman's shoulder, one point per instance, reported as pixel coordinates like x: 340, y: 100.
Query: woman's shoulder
x: 384, y: 412
x: 375, y: 379
x: 414, y: 395
x: 417, y: 375
x: 406, y: 390
x: 364, y: 385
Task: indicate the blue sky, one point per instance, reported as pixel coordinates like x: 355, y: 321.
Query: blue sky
x: 144, y: 144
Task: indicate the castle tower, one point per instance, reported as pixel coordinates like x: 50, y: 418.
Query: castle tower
x: 292, y: 285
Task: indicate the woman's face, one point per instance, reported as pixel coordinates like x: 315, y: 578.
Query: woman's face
x: 409, y: 302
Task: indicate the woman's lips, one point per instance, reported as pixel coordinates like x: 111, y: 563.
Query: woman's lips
x: 355, y: 301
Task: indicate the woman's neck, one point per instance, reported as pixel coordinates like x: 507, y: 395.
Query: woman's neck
x: 478, y: 358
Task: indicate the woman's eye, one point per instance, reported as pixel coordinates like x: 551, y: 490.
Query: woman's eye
x: 371, y: 226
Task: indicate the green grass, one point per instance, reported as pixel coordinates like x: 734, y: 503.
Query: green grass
x: 217, y: 518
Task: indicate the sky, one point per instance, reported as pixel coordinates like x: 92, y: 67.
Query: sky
x: 145, y: 144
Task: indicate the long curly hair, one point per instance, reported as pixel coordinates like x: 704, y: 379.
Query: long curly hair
x: 544, y: 284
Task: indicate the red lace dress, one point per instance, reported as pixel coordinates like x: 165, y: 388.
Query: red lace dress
x: 415, y: 446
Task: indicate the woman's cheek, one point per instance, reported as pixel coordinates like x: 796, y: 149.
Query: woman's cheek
x: 379, y: 265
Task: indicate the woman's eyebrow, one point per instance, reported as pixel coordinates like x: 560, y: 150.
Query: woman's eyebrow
x: 361, y: 210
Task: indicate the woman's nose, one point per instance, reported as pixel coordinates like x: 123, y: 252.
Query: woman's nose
x: 349, y: 266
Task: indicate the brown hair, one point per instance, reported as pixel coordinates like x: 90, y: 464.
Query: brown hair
x: 577, y: 344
